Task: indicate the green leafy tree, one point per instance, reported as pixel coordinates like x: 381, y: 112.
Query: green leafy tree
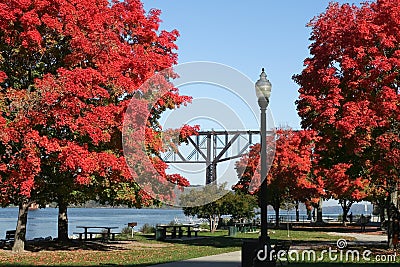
x: 238, y: 205
x: 193, y: 203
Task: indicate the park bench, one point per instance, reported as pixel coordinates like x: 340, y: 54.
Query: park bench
x: 190, y: 229
x: 9, y: 240
x: 10, y: 235
x: 104, y: 236
x: 176, y: 230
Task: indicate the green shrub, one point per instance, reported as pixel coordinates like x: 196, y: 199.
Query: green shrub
x: 171, y: 223
x: 204, y: 225
x: 126, y: 231
x: 147, y: 229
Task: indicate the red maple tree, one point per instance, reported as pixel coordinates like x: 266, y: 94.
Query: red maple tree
x: 68, y: 71
x: 290, y: 178
x: 349, y: 94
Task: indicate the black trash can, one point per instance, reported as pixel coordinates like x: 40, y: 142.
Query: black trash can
x: 161, y: 234
x: 232, y: 231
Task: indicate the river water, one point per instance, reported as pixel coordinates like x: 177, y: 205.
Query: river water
x: 43, y: 222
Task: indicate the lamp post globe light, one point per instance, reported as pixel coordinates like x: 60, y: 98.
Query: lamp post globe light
x: 263, y: 91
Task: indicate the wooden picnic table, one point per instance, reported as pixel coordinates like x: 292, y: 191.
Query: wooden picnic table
x: 178, y: 229
x: 106, y: 235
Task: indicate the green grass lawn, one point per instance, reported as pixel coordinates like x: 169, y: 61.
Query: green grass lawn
x: 143, y: 251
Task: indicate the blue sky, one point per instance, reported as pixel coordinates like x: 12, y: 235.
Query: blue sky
x: 247, y: 36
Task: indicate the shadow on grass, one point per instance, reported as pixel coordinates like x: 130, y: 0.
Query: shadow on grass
x: 71, y: 245
x: 335, y: 228
x: 213, y: 241
x: 232, y: 242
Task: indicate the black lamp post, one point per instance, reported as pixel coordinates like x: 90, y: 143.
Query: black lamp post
x: 263, y: 92
x: 252, y: 249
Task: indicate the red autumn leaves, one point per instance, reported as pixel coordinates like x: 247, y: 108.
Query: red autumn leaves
x: 349, y: 95
x: 349, y: 102
x: 68, y: 71
x: 291, y: 176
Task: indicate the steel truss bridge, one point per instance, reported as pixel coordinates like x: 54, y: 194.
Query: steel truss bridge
x: 211, y: 148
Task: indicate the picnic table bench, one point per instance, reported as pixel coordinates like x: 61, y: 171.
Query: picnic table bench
x: 9, y: 240
x: 105, y: 233
x: 178, y: 230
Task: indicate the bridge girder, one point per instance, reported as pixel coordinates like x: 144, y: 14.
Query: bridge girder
x: 211, y: 148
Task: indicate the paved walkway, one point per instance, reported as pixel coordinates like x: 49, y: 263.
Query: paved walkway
x: 363, y: 237
x: 231, y: 259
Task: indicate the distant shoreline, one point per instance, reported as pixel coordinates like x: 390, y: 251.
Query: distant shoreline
x: 108, y: 207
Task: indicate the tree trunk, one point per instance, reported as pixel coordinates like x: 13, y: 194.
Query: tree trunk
x: 297, y: 211
x: 319, y: 211
x: 392, y: 212
x: 389, y: 221
x: 382, y: 215
x: 309, y: 215
x: 381, y: 205
x: 277, y: 220
x: 62, y: 221
x: 212, y: 228
x: 346, y: 205
x: 213, y: 223
x: 344, y: 215
x: 344, y: 219
x: 20, y: 234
